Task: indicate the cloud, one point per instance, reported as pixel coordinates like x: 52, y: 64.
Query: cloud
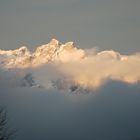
x: 93, y: 71
x: 65, y: 66
x: 31, y: 86
x: 112, y: 114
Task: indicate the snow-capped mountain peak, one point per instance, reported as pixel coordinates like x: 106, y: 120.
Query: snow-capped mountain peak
x: 55, y: 42
x: 64, y: 66
x: 53, y: 51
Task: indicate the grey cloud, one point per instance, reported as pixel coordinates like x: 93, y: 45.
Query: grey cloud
x: 112, y: 114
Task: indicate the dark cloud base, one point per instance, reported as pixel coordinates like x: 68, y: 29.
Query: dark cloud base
x: 111, y: 113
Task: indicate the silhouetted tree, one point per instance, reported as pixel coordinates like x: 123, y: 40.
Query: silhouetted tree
x: 5, y: 132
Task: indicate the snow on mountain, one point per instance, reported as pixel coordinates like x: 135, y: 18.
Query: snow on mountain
x: 66, y: 67
x: 53, y: 51
x: 15, y: 58
x: 17, y: 61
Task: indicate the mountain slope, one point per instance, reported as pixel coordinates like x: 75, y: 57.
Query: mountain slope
x: 53, y: 51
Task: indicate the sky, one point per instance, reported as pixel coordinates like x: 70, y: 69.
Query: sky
x: 68, y: 92
x: 105, y: 24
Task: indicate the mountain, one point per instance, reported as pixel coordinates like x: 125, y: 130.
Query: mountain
x: 16, y: 62
x: 53, y: 51
x: 66, y: 67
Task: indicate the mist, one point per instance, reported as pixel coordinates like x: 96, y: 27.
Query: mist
x: 70, y: 65
x: 63, y: 92
x: 112, y: 113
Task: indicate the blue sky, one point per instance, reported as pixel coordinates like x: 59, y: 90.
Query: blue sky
x: 106, y: 24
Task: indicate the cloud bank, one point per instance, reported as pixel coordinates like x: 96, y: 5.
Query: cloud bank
x: 65, y: 66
